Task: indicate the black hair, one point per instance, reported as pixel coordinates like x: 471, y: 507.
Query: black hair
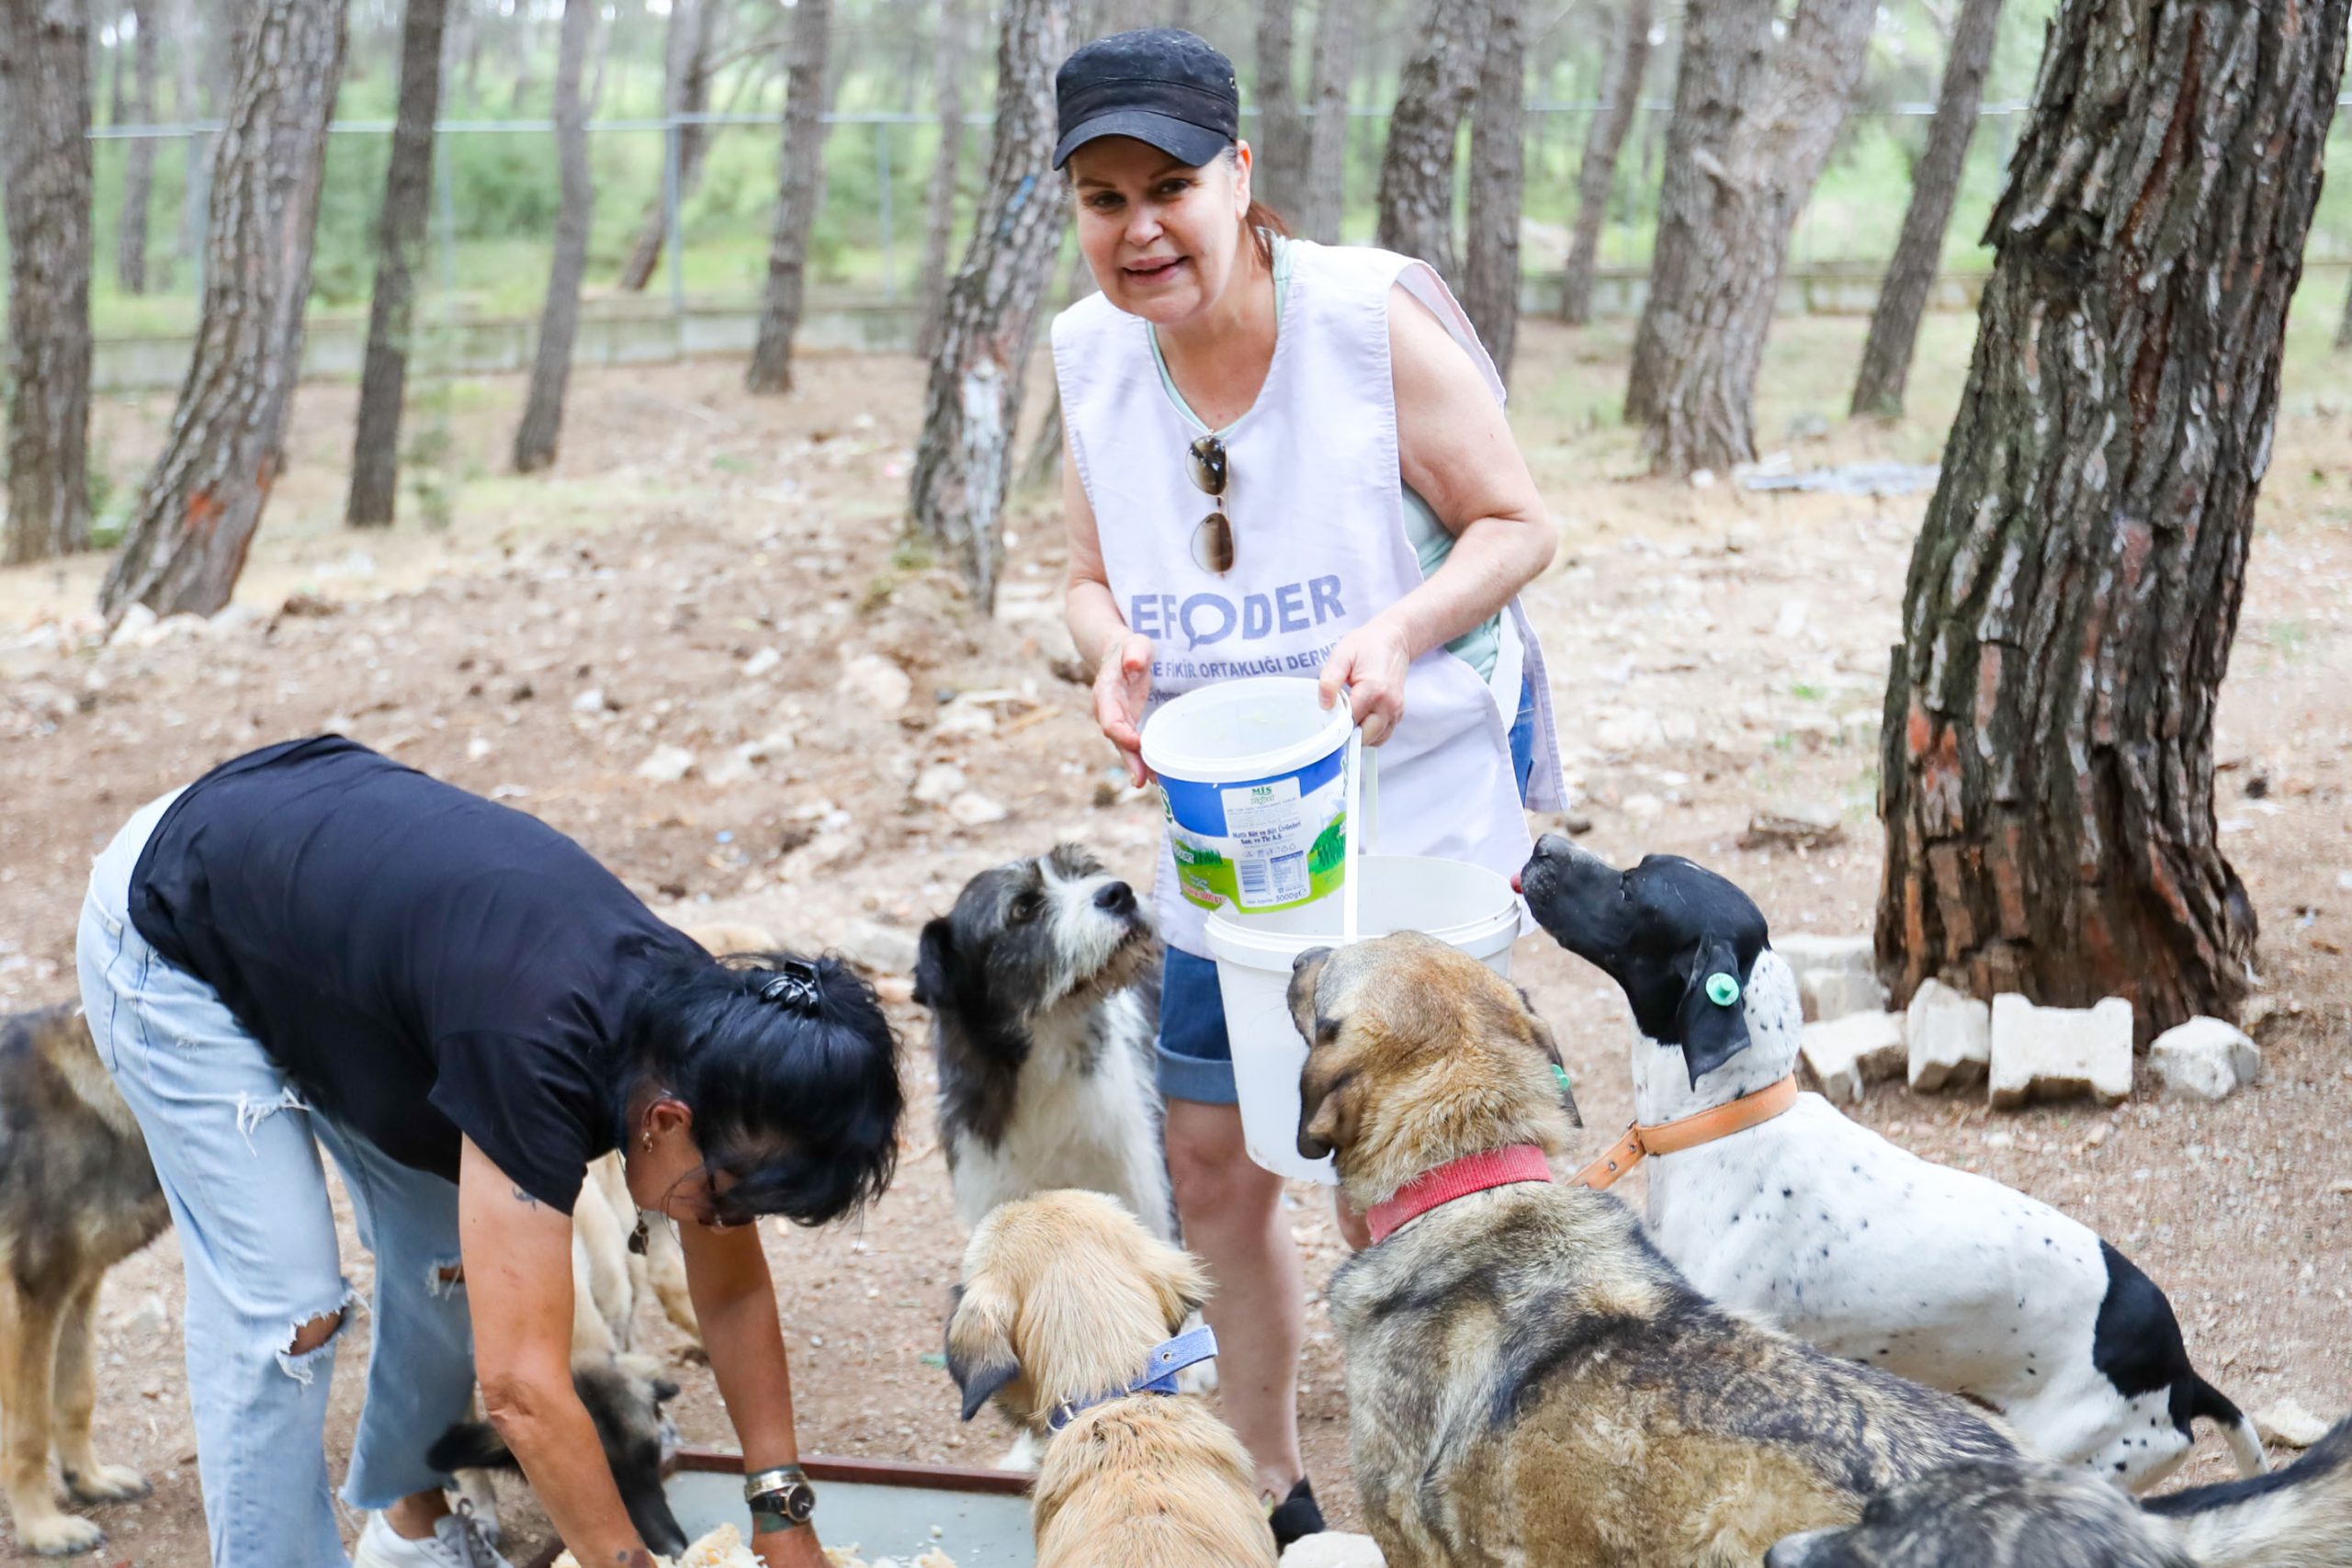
x: 791, y: 1072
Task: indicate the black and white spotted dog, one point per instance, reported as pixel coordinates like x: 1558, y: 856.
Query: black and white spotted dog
x: 1841, y: 1237
x: 1044, y: 987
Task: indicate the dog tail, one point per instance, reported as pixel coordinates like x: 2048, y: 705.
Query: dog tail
x: 2297, y: 1517
x: 2237, y: 1429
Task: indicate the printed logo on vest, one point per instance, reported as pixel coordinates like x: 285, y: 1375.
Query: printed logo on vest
x: 1203, y: 619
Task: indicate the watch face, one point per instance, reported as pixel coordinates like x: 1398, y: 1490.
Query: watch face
x: 799, y: 1502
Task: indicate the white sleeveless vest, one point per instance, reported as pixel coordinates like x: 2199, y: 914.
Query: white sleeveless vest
x: 1316, y: 497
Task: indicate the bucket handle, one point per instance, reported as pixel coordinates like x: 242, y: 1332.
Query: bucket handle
x: 1362, y: 809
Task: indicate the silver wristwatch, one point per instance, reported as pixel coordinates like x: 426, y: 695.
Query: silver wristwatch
x: 780, y: 1498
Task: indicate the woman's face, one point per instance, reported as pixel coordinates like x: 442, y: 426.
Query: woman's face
x: 1163, y: 237
x: 665, y: 1174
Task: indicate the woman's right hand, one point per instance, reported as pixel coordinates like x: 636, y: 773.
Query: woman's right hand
x: 1122, y: 691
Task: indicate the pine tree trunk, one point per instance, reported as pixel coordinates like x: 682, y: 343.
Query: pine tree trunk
x: 1754, y: 121
x: 1278, y: 176
x: 1322, y: 203
x: 797, y: 193
x: 1935, y: 185
x: 939, y: 200
x: 1620, y: 101
x: 2344, y: 327
x: 535, y: 438
x: 192, y: 98
x: 1417, y: 170
x: 686, y: 91
x: 138, y: 160
x: 400, y: 249
x: 45, y: 163
x: 972, y: 404
x: 203, y: 500
x: 2048, y: 751
x: 1498, y: 144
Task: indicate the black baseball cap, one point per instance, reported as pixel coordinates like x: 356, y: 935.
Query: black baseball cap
x: 1162, y: 85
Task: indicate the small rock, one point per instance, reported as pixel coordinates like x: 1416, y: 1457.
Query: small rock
x: 1333, y: 1549
x: 1643, y: 807
x: 874, y: 679
x: 1809, y: 951
x: 2047, y: 1052
x: 145, y: 1322
x: 974, y: 809
x: 133, y: 629
x: 2206, y: 1058
x: 591, y: 701
x: 2289, y: 1423
x: 774, y: 744
x: 759, y: 663
x: 1791, y: 620
x: 666, y: 765
x: 938, y: 783
x: 478, y: 748
x: 1847, y: 1053
x: 1949, y: 1035
x: 1628, y: 730
x: 1828, y: 994
x: 1794, y: 827
x: 965, y: 717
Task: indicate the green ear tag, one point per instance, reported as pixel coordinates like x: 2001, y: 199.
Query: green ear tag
x: 1561, y: 1073
x: 1722, y: 990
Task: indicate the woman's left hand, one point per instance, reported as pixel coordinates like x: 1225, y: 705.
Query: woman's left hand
x: 1369, y: 664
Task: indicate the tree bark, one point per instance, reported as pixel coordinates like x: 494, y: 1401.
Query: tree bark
x: 939, y: 200
x: 693, y: 35
x: 972, y: 403
x: 2047, y: 763
x: 799, y: 191
x: 1498, y: 144
x: 400, y: 249
x: 1935, y: 186
x: 1620, y: 101
x: 203, y: 500
x: 1417, y: 171
x: 1754, y: 122
x: 192, y: 96
x: 1278, y: 176
x: 1322, y: 201
x: 45, y: 161
x: 2344, y: 327
x: 139, y: 159
x: 536, y: 437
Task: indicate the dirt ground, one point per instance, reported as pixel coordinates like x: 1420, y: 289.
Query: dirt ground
x: 1713, y: 652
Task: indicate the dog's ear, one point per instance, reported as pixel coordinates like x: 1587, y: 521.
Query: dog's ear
x: 1549, y: 1046
x: 1712, y: 1023
x: 934, y: 955
x: 979, y: 1345
x: 469, y: 1445
x: 1329, y: 1102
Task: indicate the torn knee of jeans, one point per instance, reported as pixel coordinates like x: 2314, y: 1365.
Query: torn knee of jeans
x: 445, y: 1279
x: 314, y: 1337
x: 252, y: 1111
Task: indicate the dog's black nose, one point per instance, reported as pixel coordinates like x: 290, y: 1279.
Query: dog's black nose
x: 1115, y: 898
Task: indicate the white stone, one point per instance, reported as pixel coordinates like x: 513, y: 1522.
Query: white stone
x: 974, y: 809
x: 938, y: 783
x: 1333, y: 1549
x: 965, y: 717
x: 1847, y: 1053
x: 1949, y: 1036
x: 774, y: 743
x: 2206, y: 1058
x: 666, y: 765
x: 590, y: 701
x: 1828, y: 994
x: 1643, y: 807
x: 1808, y: 951
x: 1627, y: 730
x: 874, y: 679
x: 2288, y: 1422
x: 132, y: 630
x: 2047, y: 1052
x: 759, y: 663
x: 478, y: 748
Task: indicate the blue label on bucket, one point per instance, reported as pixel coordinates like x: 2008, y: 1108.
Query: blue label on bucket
x: 1261, y: 845
x: 1201, y: 807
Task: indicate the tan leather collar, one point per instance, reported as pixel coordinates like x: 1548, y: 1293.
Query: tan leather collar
x: 1688, y: 1131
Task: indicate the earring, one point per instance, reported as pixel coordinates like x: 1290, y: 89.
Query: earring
x: 647, y: 1145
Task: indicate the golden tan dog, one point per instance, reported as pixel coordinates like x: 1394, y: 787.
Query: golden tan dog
x: 1065, y: 1296
x: 1529, y: 1381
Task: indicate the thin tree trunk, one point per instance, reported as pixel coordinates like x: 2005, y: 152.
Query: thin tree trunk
x: 1498, y: 151
x: 1620, y: 101
x: 2047, y: 763
x: 1754, y: 121
x: 939, y: 200
x: 1322, y: 201
x: 972, y: 404
x: 138, y: 160
x: 535, y: 438
x: 693, y: 35
x: 798, y: 192
x: 203, y: 500
x: 400, y: 249
x: 2344, y: 327
x: 1935, y: 186
x: 1279, y: 175
x: 192, y: 100
x: 1417, y: 171
x: 45, y: 162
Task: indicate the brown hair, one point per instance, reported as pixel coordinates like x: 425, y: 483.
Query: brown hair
x: 1260, y: 219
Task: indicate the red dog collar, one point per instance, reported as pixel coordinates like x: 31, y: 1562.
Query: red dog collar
x: 1457, y: 1179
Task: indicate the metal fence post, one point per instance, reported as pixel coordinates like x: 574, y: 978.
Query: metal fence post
x: 446, y: 201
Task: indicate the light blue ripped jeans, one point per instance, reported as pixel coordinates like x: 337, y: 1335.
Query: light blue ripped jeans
x: 232, y: 1143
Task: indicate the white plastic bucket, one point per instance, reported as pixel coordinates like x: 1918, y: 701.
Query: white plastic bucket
x: 1467, y: 907
x: 1253, y: 775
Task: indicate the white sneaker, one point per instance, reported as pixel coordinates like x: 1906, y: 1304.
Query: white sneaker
x: 456, y: 1542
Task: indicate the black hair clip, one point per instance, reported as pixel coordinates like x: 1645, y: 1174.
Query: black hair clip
x: 794, y: 985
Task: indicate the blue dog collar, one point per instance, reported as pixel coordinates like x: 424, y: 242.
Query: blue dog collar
x: 1167, y: 1359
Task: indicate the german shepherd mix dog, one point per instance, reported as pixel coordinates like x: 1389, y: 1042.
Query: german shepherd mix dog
x: 77, y: 1196
x: 1823, y: 1228
x: 2010, y: 1516
x: 1069, y: 1317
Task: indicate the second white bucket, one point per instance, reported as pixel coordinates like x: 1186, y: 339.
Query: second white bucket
x: 1468, y: 908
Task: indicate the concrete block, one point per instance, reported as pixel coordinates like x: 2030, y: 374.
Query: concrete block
x: 2206, y: 1058
x: 1950, y: 1038
x: 1847, y: 1053
x: 1807, y: 951
x: 1828, y: 994
x: 2054, y: 1052
x: 1333, y: 1549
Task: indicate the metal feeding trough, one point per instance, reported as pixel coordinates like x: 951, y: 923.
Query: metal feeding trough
x: 883, y: 1508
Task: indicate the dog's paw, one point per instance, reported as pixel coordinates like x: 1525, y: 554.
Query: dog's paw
x: 60, y: 1535
x: 107, y: 1483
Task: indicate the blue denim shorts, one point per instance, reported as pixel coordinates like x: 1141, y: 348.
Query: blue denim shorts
x: 1194, y: 1055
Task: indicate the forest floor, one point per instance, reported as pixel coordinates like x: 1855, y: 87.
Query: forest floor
x: 1713, y: 652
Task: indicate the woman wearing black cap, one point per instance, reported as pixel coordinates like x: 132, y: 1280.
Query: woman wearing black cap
x: 1283, y: 457
x: 312, y: 944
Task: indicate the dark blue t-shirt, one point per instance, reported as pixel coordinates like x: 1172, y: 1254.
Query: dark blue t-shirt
x: 422, y: 961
